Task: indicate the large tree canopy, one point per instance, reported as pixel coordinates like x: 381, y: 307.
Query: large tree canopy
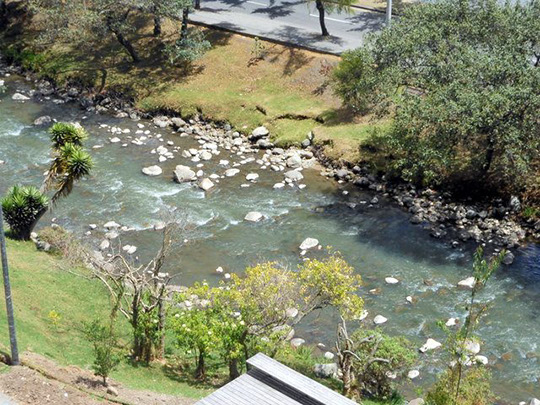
x: 461, y: 80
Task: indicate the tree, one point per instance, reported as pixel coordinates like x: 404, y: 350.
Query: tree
x: 104, y: 342
x: 466, y: 381
x: 85, y: 23
x: 459, y: 79
x: 330, y: 6
x: 25, y: 205
x: 264, y: 303
x: 172, y: 9
x: 139, y: 293
x: 367, y: 358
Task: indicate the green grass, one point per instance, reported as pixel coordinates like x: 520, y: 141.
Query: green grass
x: 40, y: 285
x: 288, y: 90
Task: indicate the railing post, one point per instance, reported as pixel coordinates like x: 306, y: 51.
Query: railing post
x: 7, y: 289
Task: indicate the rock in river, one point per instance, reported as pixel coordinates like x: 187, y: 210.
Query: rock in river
x: 231, y: 172
x: 309, y: 243
x: 431, y: 344
x: 20, y: 97
x: 152, y: 170
x: 469, y: 282
x: 294, y: 175
x: 379, y: 320
x: 42, y: 120
x: 253, y: 216
x: 391, y: 280
x: 206, y: 184
x: 183, y: 174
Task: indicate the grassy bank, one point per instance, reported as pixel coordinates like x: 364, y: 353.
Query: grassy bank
x: 287, y: 89
x: 51, y: 303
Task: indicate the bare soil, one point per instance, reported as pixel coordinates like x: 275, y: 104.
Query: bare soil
x: 41, y: 381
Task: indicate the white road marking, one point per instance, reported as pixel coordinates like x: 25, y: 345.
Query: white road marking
x: 329, y: 18
x: 257, y: 3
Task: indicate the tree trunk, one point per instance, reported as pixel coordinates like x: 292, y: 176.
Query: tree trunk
x: 197, y: 4
x: 24, y: 234
x: 320, y: 7
x: 200, y: 372
x: 157, y: 25
x: 127, y: 45
x: 184, y: 29
x: 160, y: 350
x: 233, y: 369
x: 7, y: 291
x: 490, y: 151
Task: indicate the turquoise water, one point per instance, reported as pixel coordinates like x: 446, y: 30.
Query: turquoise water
x: 377, y: 241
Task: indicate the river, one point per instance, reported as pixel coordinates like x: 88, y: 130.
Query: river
x: 377, y: 240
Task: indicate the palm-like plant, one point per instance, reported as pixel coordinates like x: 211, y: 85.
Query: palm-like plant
x: 23, y: 206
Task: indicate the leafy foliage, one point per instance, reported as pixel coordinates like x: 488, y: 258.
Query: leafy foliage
x: 466, y: 381
x: 104, y: 345
x: 255, y: 312
x: 63, y: 133
x: 23, y: 206
x: 461, y: 79
x: 188, y: 49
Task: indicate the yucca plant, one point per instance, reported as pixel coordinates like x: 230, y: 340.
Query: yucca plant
x: 63, y: 133
x: 23, y: 206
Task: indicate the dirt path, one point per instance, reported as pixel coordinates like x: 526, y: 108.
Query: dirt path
x: 54, y: 384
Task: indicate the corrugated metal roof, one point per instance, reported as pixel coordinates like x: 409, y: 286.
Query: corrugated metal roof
x: 268, y: 382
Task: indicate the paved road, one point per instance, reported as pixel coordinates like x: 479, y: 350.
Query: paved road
x: 291, y: 21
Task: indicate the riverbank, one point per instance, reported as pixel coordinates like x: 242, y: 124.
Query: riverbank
x: 52, y: 299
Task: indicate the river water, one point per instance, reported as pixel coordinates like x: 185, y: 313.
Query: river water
x: 378, y: 241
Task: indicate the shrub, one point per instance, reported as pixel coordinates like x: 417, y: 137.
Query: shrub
x: 63, y: 133
x: 187, y: 50
x: 23, y: 207
x: 104, y: 345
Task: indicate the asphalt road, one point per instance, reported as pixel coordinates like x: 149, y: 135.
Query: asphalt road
x: 294, y: 22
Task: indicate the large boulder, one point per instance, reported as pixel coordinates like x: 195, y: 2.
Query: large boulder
x: 431, y: 344
x: 161, y: 121
x: 183, y: 174
x: 152, y: 170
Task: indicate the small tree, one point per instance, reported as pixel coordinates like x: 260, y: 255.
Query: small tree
x: 104, y: 346
x: 367, y: 358
x: 24, y: 206
x: 467, y: 382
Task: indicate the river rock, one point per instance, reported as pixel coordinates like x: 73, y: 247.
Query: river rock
x: 329, y: 355
x: 111, y: 235
x: 45, y: 119
x: 534, y: 401
x: 259, y: 132
x: 178, y: 122
x: 205, y: 155
x: 294, y: 175
x: 253, y: 216
x: 379, y: 320
x: 329, y: 370
x: 297, y: 342
x: 481, y: 360
x: 206, y: 184
x: 508, y: 258
x: 309, y: 243
x: 105, y: 244
x: 431, y: 344
x: 265, y: 144
x: 19, y: 97
x: 152, y: 170
x: 416, y: 401
x: 452, y: 322
x: 469, y: 282
x: 294, y: 162
x: 112, y: 225
x: 252, y: 176
x: 115, y: 140
x: 472, y: 346
x: 291, y: 312
x: 183, y: 174
x: 413, y: 374
x: 231, y: 172
x: 161, y: 121
x: 391, y: 280
x: 129, y: 249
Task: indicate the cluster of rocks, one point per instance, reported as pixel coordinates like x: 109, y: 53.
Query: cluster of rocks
x: 491, y: 224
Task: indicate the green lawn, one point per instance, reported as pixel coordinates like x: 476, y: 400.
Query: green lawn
x: 40, y: 285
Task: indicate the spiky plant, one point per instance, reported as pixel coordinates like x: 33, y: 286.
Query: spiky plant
x: 71, y: 164
x: 63, y: 133
x: 23, y: 207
